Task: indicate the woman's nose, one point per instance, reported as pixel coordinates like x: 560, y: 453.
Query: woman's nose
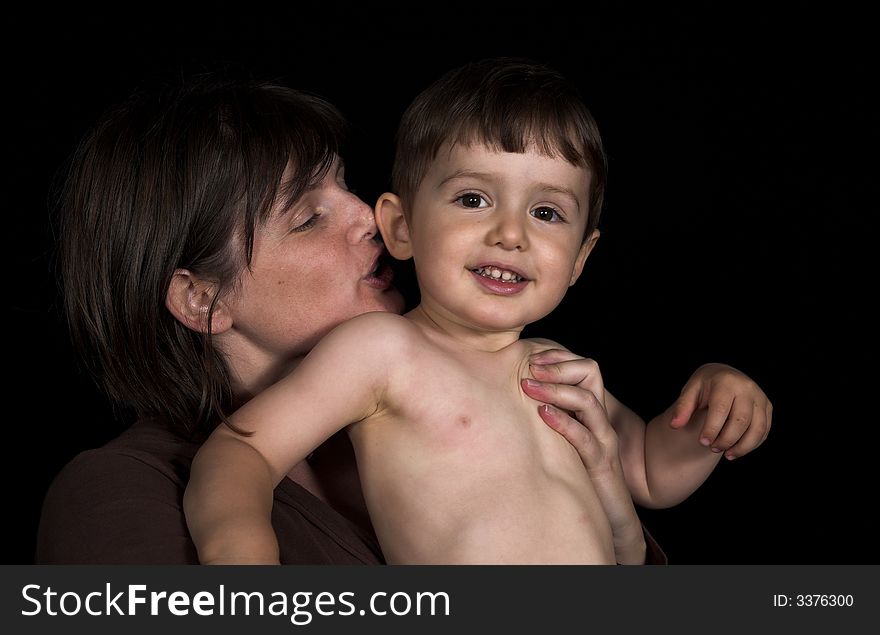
x: 363, y: 224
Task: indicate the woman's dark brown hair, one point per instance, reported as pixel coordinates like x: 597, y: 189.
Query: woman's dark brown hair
x: 177, y: 178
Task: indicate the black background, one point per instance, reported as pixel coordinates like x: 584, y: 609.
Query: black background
x: 735, y: 229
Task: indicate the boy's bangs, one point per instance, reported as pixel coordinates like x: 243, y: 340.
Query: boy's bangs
x: 521, y: 132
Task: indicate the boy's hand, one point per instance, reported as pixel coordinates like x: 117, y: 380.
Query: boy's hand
x: 738, y: 413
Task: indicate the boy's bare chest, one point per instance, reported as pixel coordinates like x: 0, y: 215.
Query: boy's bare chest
x: 465, y: 404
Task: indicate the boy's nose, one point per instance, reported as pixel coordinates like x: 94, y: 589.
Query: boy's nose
x: 508, y: 231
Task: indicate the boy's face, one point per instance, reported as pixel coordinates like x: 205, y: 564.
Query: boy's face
x: 498, y: 237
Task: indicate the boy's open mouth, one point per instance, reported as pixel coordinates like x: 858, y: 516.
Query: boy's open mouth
x: 497, y: 273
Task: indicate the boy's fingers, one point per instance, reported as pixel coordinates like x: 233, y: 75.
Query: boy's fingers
x: 753, y: 437
x: 716, y: 416
x: 738, y: 421
x: 686, y: 404
x: 768, y: 411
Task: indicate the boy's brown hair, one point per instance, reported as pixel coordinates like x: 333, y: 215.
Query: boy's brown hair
x: 508, y: 104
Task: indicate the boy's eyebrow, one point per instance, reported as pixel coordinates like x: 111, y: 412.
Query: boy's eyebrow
x: 544, y: 187
x: 458, y: 174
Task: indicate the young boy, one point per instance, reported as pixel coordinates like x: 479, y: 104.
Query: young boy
x: 500, y: 173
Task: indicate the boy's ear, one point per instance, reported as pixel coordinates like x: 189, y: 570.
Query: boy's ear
x: 189, y: 300
x: 584, y: 252
x: 393, y: 226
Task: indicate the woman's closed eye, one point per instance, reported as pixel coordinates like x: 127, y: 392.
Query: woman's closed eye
x: 306, y: 222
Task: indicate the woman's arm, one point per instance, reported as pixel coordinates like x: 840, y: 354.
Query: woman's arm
x: 596, y: 442
x: 578, y: 414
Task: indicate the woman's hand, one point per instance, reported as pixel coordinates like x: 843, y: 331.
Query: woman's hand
x: 573, y: 397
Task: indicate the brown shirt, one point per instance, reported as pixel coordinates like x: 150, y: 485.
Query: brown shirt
x: 123, y: 504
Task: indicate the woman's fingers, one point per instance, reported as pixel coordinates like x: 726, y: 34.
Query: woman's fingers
x: 578, y: 371
x: 575, y: 433
x: 553, y: 356
x: 582, y: 407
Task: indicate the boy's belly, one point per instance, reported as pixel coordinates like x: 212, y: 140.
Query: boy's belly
x: 495, y: 487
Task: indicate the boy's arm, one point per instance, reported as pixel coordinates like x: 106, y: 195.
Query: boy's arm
x: 665, y: 461
x: 721, y: 410
x: 666, y: 464
x: 228, y: 501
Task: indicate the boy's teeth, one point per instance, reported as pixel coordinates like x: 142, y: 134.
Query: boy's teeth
x: 498, y: 274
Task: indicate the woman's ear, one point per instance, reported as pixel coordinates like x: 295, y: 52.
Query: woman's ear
x: 581, y: 259
x: 392, y: 224
x: 189, y: 300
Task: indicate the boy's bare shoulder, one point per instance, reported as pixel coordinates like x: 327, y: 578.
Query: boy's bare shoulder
x: 376, y: 322
x: 377, y: 329
x: 540, y: 344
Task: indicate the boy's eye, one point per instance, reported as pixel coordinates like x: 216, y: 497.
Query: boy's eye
x: 472, y: 200
x: 547, y: 214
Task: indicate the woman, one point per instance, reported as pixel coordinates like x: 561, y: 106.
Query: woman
x: 186, y: 296
x: 208, y: 242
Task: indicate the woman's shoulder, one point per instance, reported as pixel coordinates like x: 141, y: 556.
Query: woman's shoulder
x: 146, y: 448
x: 120, y: 502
